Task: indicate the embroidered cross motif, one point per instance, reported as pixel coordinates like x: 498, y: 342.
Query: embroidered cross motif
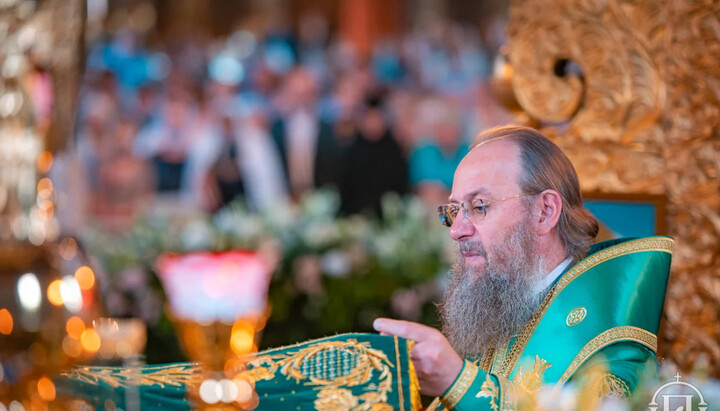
x: 575, y: 316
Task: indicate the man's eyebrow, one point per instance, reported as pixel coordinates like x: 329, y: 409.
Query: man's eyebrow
x: 481, y: 190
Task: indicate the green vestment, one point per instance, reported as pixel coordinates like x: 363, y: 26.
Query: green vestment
x: 602, y: 313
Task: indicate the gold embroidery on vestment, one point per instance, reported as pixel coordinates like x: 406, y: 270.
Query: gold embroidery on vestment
x: 660, y: 244
x: 611, y: 336
x: 575, y: 316
x: 461, y: 385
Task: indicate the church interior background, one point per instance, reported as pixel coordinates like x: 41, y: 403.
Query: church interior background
x: 115, y: 116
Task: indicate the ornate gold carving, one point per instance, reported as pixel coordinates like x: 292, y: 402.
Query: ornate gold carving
x: 643, y: 117
x: 611, y: 336
x: 614, y: 105
x: 575, y: 316
x: 461, y: 385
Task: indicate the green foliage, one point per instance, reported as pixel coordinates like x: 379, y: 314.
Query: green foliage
x: 334, y: 274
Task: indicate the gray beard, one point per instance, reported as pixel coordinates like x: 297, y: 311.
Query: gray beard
x: 481, y: 310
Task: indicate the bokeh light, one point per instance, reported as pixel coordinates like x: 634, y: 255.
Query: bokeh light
x: 46, y: 389
x: 75, y: 327
x: 29, y: 292
x: 242, y: 337
x: 53, y: 293
x: 85, y: 277
x: 90, y: 340
x: 6, y: 322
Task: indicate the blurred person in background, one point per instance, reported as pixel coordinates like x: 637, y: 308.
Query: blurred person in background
x: 93, y: 139
x: 296, y: 129
x: 338, y: 129
x: 402, y: 105
x: 124, y: 189
x: 436, y: 155
x: 144, y: 106
x: 311, y: 86
x: 245, y: 163
x: 202, y: 152
x: 224, y: 180
x: 375, y: 162
x: 166, y: 141
x: 312, y: 42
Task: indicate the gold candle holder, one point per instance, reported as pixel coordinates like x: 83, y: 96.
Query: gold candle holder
x: 218, y: 304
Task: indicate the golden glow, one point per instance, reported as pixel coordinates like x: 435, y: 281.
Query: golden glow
x: 253, y: 403
x: 75, y: 327
x: 6, y: 322
x: 46, y: 389
x: 37, y: 353
x: 85, y: 277
x: 241, y: 338
x: 44, y: 188
x: 72, y: 347
x: 46, y: 210
x: 233, y: 366
x: 44, y: 161
x: 68, y: 248
x: 244, y: 390
x: 53, y: 293
x: 90, y: 340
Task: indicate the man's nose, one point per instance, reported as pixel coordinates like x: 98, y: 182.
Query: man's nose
x: 461, y: 227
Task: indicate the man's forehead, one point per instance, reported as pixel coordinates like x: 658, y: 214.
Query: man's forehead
x: 489, y: 169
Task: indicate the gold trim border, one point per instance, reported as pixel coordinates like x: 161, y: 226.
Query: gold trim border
x: 486, y: 361
x: 508, y: 400
x: 399, y: 373
x: 415, y: 400
x: 661, y: 244
x: 499, y: 357
x: 461, y: 385
x: 611, y: 336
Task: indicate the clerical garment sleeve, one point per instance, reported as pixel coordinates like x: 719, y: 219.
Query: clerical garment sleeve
x: 622, y: 368
x: 619, y: 370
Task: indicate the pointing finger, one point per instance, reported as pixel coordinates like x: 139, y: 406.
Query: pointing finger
x: 399, y: 328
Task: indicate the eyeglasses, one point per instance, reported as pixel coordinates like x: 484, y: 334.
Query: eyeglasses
x: 477, y: 211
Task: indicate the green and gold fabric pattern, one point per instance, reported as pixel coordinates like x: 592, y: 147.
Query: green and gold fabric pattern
x: 359, y: 372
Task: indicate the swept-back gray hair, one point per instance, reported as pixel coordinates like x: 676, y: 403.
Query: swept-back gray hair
x: 545, y: 166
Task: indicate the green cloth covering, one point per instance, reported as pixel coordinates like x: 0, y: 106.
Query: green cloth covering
x: 349, y: 371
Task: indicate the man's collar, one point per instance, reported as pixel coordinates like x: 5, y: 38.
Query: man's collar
x: 549, y: 279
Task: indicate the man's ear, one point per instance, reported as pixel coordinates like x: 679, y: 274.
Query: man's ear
x: 550, y: 203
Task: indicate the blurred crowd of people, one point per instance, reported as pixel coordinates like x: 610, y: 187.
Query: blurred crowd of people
x: 270, y: 117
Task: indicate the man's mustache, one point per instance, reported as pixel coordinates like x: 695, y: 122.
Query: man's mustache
x: 473, y: 247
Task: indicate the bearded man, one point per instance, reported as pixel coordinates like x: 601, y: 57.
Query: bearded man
x: 531, y: 301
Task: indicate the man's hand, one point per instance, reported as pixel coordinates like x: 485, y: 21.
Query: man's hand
x: 436, y: 362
